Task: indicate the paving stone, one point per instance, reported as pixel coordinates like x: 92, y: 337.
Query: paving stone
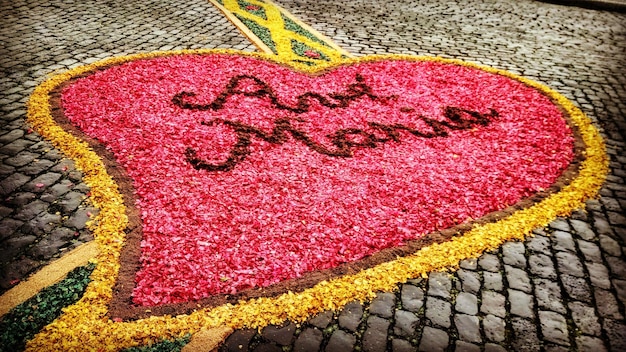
x: 470, y: 281
x: 524, y: 335
x: 541, y: 265
x: 5, y: 171
x: 41, y: 182
x: 239, y: 340
x: 267, y: 347
x: 21, y: 159
x: 466, y: 303
x: 438, y: 311
x: 405, y: 323
x: 283, y: 335
x: 15, y: 271
x: 585, y: 318
x: 462, y: 346
x: 375, y: 336
x: 36, y: 167
x: 610, y: 245
x: 11, y: 136
x: 591, y: 251
x: 412, y: 298
x: 322, y: 320
x: 340, y: 341
x: 554, y: 327
x: 489, y: 262
x: 42, y: 225
x: 21, y: 198
x: 47, y: 248
x: 468, y: 327
x: 588, y: 343
x: 602, y: 225
x: 350, y: 316
x: 383, y: 304
x: 71, y: 201
x: 469, y: 264
x: 433, y: 340
x: 31, y: 210
x: 616, y: 219
x: 521, y: 304
x: 15, y: 147
x: 616, y: 332
x: 560, y: 224
x: 309, y: 340
x: 493, y: 303
x: 11, y: 183
x: 492, y: 347
x: 548, y: 347
x: 79, y: 218
x: 617, y: 265
x: 15, y: 245
x: 568, y: 263
x: 399, y: 345
x: 518, y: 279
x: 576, y: 288
x: 513, y: 253
x: 599, y: 275
x: 609, y: 307
x: 620, y: 288
x: 5, y: 211
x: 494, y: 328
x: 548, y: 295
x: 8, y: 226
x: 439, y: 285
x: 583, y: 229
x: 563, y: 241
x: 539, y: 244
x: 492, y: 281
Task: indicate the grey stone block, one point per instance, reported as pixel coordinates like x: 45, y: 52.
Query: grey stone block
x: 405, y: 323
x: 554, y: 327
x: 438, y: 311
x: 468, y: 327
x: 383, y: 304
x: 375, y: 336
x: 439, y: 285
x: 521, y: 304
x: 518, y: 279
x: 433, y: 340
x: 466, y: 303
x: 493, y: 303
x: 412, y: 298
x: 340, y: 341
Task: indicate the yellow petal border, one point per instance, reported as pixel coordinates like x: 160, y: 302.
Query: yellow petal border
x: 85, y: 325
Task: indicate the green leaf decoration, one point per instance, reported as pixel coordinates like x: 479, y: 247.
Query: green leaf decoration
x: 263, y: 33
x: 27, y: 319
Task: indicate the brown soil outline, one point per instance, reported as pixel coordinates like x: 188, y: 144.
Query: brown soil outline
x: 121, y: 305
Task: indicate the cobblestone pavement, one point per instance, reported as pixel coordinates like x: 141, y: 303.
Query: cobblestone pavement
x: 563, y: 289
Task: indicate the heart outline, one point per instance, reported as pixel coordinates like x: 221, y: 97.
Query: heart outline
x: 91, y: 310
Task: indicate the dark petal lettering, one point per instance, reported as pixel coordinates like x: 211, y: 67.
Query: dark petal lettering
x: 343, y: 140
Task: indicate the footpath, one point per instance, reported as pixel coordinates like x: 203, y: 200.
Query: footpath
x: 564, y: 289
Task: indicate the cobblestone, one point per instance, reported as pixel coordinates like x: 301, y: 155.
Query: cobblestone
x: 519, y: 297
x: 521, y: 304
x: 405, y: 323
x: 554, y: 327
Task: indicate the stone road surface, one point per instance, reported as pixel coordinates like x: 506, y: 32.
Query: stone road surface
x: 562, y: 290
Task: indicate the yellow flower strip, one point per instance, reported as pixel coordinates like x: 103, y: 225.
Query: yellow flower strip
x: 281, y: 36
x: 85, y: 325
